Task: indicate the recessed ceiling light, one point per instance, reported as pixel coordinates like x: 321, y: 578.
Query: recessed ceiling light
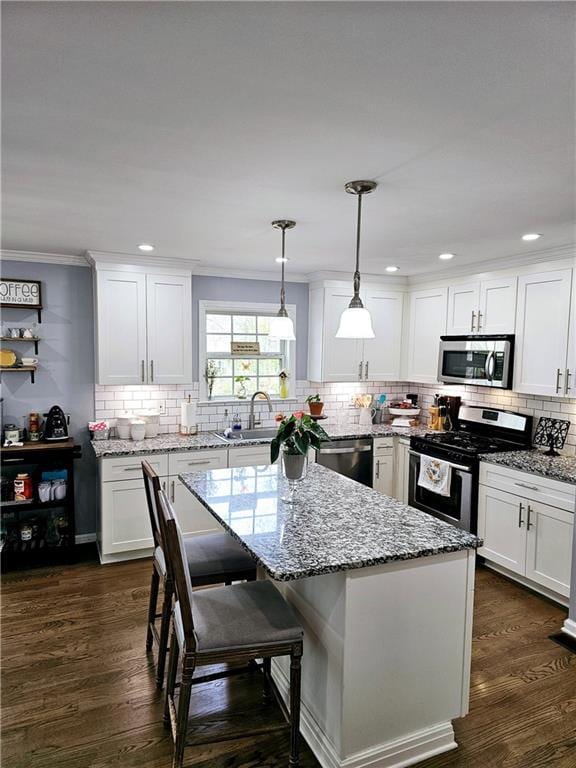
x: 146, y: 247
x: 392, y: 269
x: 446, y: 256
x: 531, y: 236
x: 280, y: 259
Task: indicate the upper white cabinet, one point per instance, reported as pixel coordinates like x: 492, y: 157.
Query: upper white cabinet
x: 486, y: 307
x: 543, y: 364
x: 143, y: 327
x: 427, y: 322
x: 332, y: 359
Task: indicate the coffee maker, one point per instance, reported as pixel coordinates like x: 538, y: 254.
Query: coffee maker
x: 451, y: 405
x: 56, y: 425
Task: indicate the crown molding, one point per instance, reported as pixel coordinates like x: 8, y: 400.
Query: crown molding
x: 514, y: 261
x: 108, y: 258
x: 247, y: 274
x: 39, y: 257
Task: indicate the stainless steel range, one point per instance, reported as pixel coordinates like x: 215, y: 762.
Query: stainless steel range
x: 482, y: 430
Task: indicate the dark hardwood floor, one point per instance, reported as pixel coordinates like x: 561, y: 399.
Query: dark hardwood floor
x: 78, y: 690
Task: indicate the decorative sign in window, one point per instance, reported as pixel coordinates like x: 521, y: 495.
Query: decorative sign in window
x: 20, y: 293
x: 244, y: 347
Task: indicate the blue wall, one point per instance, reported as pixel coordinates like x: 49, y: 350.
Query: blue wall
x: 65, y: 375
x: 264, y: 291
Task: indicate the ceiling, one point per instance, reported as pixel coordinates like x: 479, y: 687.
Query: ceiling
x: 193, y: 125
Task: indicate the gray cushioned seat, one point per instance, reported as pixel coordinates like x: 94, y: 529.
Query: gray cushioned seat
x: 211, y: 553
x: 250, y: 614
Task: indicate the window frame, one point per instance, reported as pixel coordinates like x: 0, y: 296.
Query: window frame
x: 206, y: 307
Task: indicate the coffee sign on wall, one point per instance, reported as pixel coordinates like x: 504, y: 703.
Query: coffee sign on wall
x: 20, y: 293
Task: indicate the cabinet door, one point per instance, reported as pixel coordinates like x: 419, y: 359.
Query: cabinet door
x: 124, y: 520
x: 383, y: 477
x: 497, y: 306
x: 401, y: 472
x: 549, y: 547
x: 569, y: 388
x: 169, y: 322
x: 250, y: 456
x: 463, y: 303
x: 192, y: 515
x: 381, y: 355
x: 427, y: 323
x: 542, y: 323
x: 502, y: 525
x: 341, y: 357
x: 120, y: 327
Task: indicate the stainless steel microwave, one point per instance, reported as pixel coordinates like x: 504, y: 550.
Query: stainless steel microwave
x: 485, y: 361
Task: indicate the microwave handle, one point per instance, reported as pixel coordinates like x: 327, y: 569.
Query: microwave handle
x: 489, y: 366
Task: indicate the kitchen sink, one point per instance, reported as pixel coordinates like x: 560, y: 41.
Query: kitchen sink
x: 263, y: 433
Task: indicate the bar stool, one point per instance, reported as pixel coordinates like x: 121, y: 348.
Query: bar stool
x: 213, y: 558
x: 240, y: 623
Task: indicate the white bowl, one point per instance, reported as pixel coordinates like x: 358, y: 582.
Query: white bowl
x: 123, y: 431
x: 410, y: 412
x: 137, y: 429
x: 152, y: 429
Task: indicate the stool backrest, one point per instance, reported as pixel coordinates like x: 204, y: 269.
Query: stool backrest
x: 152, y: 488
x: 177, y: 564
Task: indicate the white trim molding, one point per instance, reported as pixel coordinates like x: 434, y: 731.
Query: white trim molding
x: 109, y: 260
x: 569, y: 628
x: 40, y: 257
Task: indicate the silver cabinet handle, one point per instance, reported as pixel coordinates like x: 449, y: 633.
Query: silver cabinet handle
x: 131, y: 469
x: 530, y: 525
x: 360, y: 449
x: 151, y: 370
x: 198, y: 461
x: 479, y: 323
x: 567, y: 377
x: 164, y: 485
x: 558, y: 375
x: 172, y: 491
x: 377, y: 469
x: 360, y: 370
x: 530, y: 487
x: 520, y: 510
x: 473, y: 319
x: 366, y: 371
x: 142, y: 371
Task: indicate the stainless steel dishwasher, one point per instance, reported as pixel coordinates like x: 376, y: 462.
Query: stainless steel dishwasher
x: 352, y: 458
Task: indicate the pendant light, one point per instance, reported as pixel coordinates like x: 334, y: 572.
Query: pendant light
x: 281, y: 326
x: 355, y: 322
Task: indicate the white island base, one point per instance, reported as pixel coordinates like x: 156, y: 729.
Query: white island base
x: 386, y: 664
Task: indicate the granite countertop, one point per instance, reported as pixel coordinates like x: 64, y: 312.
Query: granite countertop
x: 561, y: 468
x: 337, y: 524
x: 205, y: 440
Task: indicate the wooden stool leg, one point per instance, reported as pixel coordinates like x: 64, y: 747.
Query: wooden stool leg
x: 152, y: 603
x: 164, y: 632
x: 171, y: 680
x: 295, y: 673
x: 183, y: 709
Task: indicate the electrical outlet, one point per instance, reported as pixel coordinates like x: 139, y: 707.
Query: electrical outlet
x: 162, y: 407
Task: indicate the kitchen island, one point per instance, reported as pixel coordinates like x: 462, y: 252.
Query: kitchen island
x: 385, y: 595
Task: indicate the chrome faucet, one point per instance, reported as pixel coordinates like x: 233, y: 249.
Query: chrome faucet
x: 251, y: 418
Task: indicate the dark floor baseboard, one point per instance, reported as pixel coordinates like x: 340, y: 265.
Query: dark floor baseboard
x: 564, y: 640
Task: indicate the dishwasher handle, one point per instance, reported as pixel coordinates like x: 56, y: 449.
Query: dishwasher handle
x: 358, y: 449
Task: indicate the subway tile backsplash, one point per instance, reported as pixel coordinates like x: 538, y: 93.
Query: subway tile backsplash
x: 338, y: 403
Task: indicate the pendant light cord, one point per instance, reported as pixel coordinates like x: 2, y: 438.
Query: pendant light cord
x: 356, y: 300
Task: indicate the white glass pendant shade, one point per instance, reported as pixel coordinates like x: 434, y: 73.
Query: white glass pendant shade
x: 355, y: 323
x: 281, y: 328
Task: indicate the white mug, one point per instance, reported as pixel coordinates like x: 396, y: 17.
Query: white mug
x: 366, y: 415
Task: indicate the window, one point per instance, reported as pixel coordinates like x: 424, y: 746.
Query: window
x: 239, y: 376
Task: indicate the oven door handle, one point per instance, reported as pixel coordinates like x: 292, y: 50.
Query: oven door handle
x: 454, y: 466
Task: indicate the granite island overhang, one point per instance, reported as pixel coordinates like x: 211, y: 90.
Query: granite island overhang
x: 385, y: 595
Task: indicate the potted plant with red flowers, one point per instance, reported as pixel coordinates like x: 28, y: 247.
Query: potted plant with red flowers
x: 295, y: 436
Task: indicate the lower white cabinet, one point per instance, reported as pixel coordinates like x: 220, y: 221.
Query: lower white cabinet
x: 401, y: 470
x: 193, y: 516
x: 526, y: 536
x: 383, y: 466
x: 124, y: 522
x: 249, y: 456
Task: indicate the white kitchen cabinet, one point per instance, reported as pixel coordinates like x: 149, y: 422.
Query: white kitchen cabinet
x: 332, y: 359
x: 523, y: 534
x: 486, y: 307
x: 401, y: 469
x: 427, y: 322
x: 383, y: 466
x: 192, y: 515
x: 542, y: 333
x: 249, y: 456
x: 125, y: 530
x: 569, y: 383
x: 143, y: 327
x: 169, y: 329
x: 502, y: 526
x: 120, y: 327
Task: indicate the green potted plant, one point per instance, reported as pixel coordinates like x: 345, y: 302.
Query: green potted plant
x: 241, y: 392
x: 295, y: 436
x: 211, y: 371
x: 315, y: 404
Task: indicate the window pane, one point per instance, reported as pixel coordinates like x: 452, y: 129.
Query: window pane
x: 245, y: 367
x: 269, y: 345
x: 224, y: 366
x: 218, y: 324
x: 222, y: 387
x: 269, y: 367
x: 263, y: 324
x: 220, y: 343
x: 269, y: 384
x: 244, y: 324
x: 244, y: 337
